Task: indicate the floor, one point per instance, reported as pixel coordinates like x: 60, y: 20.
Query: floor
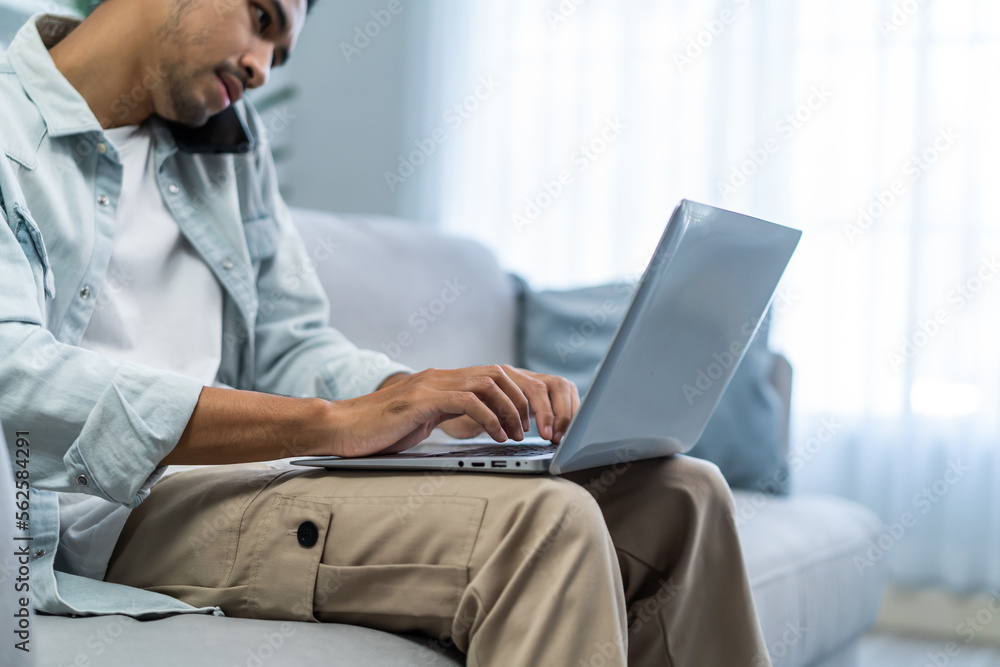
x: 883, y: 650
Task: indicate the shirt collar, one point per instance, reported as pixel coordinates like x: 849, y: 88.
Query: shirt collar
x: 62, y: 108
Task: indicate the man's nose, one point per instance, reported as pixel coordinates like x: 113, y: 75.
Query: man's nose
x: 257, y: 65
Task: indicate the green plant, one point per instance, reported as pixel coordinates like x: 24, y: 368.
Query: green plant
x: 82, y: 7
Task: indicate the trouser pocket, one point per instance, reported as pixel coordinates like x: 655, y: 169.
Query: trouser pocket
x: 288, y: 544
x: 397, y: 565
x: 375, y: 561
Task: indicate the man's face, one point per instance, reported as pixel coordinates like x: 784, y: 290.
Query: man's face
x: 210, y: 50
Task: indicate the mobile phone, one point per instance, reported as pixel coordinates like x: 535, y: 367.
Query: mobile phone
x: 225, y: 132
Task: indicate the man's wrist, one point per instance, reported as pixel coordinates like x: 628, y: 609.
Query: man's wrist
x: 310, y: 433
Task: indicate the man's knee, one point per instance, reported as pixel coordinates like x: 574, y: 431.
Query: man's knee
x: 561, y: 512
x: 693, y: 481
x: 703, y: 475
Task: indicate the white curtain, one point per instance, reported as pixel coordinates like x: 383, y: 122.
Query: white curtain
x: 562, y: 133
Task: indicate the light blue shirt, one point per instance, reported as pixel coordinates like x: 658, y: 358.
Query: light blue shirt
x: 101, y: 427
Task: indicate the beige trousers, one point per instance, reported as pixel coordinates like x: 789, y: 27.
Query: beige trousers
x: 636, y: 564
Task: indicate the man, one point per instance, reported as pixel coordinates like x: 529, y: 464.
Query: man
x: 156, y: 311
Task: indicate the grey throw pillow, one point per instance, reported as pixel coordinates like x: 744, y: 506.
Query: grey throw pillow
x: 566, y: 332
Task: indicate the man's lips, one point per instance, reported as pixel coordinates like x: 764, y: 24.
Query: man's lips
x: 231, y: 88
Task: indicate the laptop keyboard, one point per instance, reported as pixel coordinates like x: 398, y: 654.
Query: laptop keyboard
x: 499, y: 450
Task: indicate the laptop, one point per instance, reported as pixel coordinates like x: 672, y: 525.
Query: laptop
x: 698, y: 305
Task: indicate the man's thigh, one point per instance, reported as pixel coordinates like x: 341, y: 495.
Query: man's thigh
x: 390, y: 550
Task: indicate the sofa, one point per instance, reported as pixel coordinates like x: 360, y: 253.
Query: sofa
x: 427, y: 299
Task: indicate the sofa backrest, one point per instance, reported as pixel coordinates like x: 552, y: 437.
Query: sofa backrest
x: 423, y: 298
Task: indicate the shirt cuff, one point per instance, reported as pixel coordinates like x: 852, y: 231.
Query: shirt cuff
x: 136, y: 422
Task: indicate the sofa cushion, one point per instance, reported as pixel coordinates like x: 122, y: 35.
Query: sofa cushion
x: 567, y: 332
x: 800, y: 552
x: 812, y: 596
x: 423, y: 298
x: 745, y: 435
x: 120, y: 641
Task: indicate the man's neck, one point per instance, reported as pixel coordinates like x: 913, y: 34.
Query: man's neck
x: 104, y: 63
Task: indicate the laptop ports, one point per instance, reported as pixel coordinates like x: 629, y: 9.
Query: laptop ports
x: 498, y: 464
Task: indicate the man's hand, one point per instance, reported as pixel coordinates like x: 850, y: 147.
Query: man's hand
x: 552, y: 399
x: 406, y: 408
x: 232, y: 426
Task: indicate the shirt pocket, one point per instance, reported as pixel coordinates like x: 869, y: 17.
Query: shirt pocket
x: 30, y: 238
x: 261, y: 233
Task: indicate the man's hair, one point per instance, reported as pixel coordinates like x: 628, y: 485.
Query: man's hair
x: 94, y: 3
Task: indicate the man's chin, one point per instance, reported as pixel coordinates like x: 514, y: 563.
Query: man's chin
x: 193, y: 121
x: 190, y: 114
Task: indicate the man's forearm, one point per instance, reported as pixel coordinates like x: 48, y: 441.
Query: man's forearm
x: 232, y: 426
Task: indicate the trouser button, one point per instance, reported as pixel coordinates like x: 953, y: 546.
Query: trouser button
x: 308, y: 534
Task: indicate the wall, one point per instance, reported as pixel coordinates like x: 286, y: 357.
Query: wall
x: 352, y: 116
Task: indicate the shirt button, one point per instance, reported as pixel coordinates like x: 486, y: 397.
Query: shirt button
x: 103, y: 200
x: 85, y: 291
x: 102, y: 147
x: 173, y: 189
x: 308, y: 534
x: 82, y: 480
x: 39, y: 553
x: 227, y: 264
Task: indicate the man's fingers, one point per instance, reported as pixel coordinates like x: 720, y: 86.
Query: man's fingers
x: 496, y: 391
x: 514, y: 391
x: 537, y: 391
x: 554, y: 400
x: 504, y: 397
x: 575, y: 398
x: 417, y: 435
x: 460, y: 427
x: 497, y: 398
x: 562, y: 393
x: 468, y: 403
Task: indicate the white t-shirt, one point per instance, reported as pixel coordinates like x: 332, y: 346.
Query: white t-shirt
x: 159, y: 305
